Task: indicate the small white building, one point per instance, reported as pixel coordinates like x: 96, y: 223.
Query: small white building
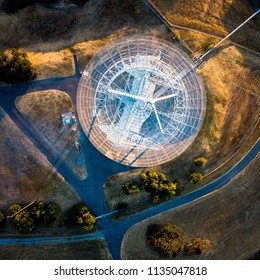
x: 68, y: 118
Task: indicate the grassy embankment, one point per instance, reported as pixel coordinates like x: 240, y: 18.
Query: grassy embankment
x: 43, y: 110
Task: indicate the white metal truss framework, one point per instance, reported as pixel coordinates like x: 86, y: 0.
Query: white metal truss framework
x: 140, y: 101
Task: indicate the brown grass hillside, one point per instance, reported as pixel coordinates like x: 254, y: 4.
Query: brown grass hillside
x: 217, y: 17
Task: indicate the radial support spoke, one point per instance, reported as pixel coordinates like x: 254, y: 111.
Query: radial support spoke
x: 157, y: 117
x: 164, y: 97
x: 123, y: 93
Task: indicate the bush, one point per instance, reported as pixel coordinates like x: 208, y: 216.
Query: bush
x: 131, y: 187
x: 15, y: 67
x: 165, y: 239
x: 14, y: 208
x: 194, y: 177
x: 45, y: 213
x: 177, y: 35
x: 156, y: 199
x: 52, y: 211
x: 201, y: 161
x: 168, y: 241
x: 24, y: 222
x: 79, y: 215
x: 197, y: 246
x: 157, y: 184
x: 33, y: 216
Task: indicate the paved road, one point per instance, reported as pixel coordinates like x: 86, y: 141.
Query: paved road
x: 114, y: 231
x: 98, y: 168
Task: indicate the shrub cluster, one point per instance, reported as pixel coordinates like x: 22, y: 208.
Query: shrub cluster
x: 197, y: 246
x: 33, y: 216
x: 157, y: 184
x: 201, y: 161
x: 79, y: 215
x: 165, y: 239
x: 168, y: 240
x: 194, y: 177
x: 153, y: 182
x: 131, y: 187
x: 15, y: 67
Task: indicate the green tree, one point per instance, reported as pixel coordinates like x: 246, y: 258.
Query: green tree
x: 52, y: 211
x: 15, y: 67
x: 177, y: 35
x: 166, y: 240
x: 24, y: 222
x: 194, y: 177
x: 80, y: 215
x: 156, y: 199
x: 200, y: 161
x: 157, y: 184
x: 131, y: 187
x: 38, y: 211
x: 14, y: 208
x: 46, y: 213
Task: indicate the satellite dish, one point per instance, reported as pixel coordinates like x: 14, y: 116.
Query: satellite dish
x: 140, y: 101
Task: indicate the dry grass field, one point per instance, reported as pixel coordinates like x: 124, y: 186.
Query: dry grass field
x: 51, y: 37
x: 86, y: 250
x: 229, y: 218
x: 43, y: 110
x: 25, y: 174
x: 52, y: 64
x: 214, y: 17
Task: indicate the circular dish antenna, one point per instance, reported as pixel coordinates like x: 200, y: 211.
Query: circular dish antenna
x: 140, y: 101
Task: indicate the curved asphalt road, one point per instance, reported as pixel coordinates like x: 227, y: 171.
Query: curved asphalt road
x: 98, y: 168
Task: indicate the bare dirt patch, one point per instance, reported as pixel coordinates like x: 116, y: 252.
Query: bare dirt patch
x: 228, y: 218
x: 43, y: 110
